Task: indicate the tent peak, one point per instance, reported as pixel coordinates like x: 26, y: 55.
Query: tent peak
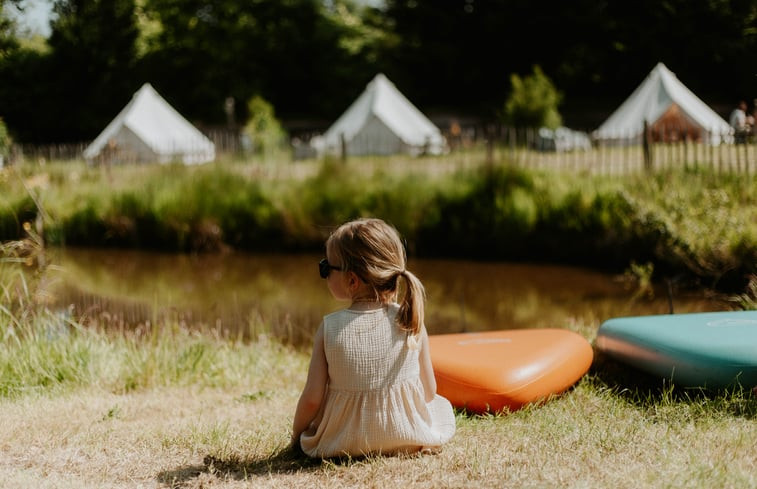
x: 660, y: 66
x: 379, y: 79
x: 660, y: 71
x: 145, y: 90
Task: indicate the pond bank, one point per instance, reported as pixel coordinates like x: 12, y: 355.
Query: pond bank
x: 689, y: 226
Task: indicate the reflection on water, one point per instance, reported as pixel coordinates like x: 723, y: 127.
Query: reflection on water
x: 248, y: 294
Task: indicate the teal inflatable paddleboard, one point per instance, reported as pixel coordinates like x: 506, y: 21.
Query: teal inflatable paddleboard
x: 708, y: 349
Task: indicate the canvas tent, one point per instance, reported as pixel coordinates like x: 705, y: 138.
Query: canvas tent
x: 381, y: 121
x: 148, y: 129
x: 671, y: 111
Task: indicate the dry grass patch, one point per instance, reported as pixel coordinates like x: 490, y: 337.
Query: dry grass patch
x: 190, y: 437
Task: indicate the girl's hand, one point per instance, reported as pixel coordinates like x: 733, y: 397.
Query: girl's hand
x: 294, y: 446
x: 314, y: 390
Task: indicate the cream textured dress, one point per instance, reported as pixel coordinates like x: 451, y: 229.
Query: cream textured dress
x: 375, y: 401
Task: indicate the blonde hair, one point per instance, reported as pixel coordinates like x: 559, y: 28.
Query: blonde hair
x: 373, y: 250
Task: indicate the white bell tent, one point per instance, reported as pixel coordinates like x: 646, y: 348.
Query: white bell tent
x: 148, y: 129
x: 381, y: 121
x: 670, y: 110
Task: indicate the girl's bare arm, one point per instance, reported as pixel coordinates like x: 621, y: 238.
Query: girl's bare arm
x: 314, y: 390
x: 427, y: 371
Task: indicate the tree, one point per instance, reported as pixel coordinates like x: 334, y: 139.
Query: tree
x: 8, y: 40
x: 92, y: 60
x: 533, y: 101
x: 19, y: 70
x: 288, y: 51
x: 310, y: 58
x: 456, y: 54
x: 69, y: 92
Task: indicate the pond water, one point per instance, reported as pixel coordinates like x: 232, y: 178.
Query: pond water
x: 282, y: 295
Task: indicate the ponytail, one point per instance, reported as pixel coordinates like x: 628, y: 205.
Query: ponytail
x: 376, y: 253
x: 410, y: 315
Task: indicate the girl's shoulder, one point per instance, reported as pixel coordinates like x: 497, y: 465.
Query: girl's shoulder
x: 390, y: 310
x: 390, y: 307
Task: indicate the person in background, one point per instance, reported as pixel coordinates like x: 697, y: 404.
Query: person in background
x: 370, y: 386
x: 738, y: 121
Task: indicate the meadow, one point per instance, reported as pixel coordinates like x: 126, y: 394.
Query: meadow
x: 161, y: 405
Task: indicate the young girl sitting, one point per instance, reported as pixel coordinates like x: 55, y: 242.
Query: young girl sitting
x: 370, y: 387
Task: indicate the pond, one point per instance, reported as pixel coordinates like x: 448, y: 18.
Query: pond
x: 282, y: 294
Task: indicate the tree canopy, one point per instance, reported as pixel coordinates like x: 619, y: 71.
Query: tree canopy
x: 310, y: 58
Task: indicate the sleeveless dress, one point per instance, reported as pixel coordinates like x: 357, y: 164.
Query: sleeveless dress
x: 374, y: 402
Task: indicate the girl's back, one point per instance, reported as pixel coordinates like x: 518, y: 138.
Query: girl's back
x: 366, y: 350
x: 375, y: 399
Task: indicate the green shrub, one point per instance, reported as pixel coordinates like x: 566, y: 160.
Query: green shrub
x: 263, y: 129
x: 533, y: 101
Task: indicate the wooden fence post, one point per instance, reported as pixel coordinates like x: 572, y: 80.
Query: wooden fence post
x: 489, y: 135
x: 342, y: 148
x: 645, y: 147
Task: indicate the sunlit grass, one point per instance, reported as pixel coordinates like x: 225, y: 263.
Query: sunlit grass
x: 47, y: 352
x: 193, y: 431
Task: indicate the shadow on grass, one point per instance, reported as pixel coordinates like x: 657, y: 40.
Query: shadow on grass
x: 646, y: 391
x: 284, y: 461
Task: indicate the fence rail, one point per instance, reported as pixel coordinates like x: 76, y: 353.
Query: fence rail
x: 522, y: 147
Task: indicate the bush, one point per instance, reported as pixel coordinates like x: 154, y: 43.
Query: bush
x: 265, y: 133
x: 533, y: 101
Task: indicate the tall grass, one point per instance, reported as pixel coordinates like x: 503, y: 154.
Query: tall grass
x: 44, y: 350
x: 47, y: 353
x: 692, y: 222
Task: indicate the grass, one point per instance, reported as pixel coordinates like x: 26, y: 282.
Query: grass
x: 690, y: 222
x: 165, y: 407
x: 225, y: 423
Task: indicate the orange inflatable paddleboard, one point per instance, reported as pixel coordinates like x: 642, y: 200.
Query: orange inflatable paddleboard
x: 507, y: 369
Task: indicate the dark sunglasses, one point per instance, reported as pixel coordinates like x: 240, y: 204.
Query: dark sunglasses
x: 324, y: 268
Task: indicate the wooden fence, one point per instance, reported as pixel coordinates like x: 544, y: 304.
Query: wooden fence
x: 612, y: 158
x: 522, y: 147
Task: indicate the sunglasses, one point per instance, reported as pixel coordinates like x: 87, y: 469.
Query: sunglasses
x: 324, y: 268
